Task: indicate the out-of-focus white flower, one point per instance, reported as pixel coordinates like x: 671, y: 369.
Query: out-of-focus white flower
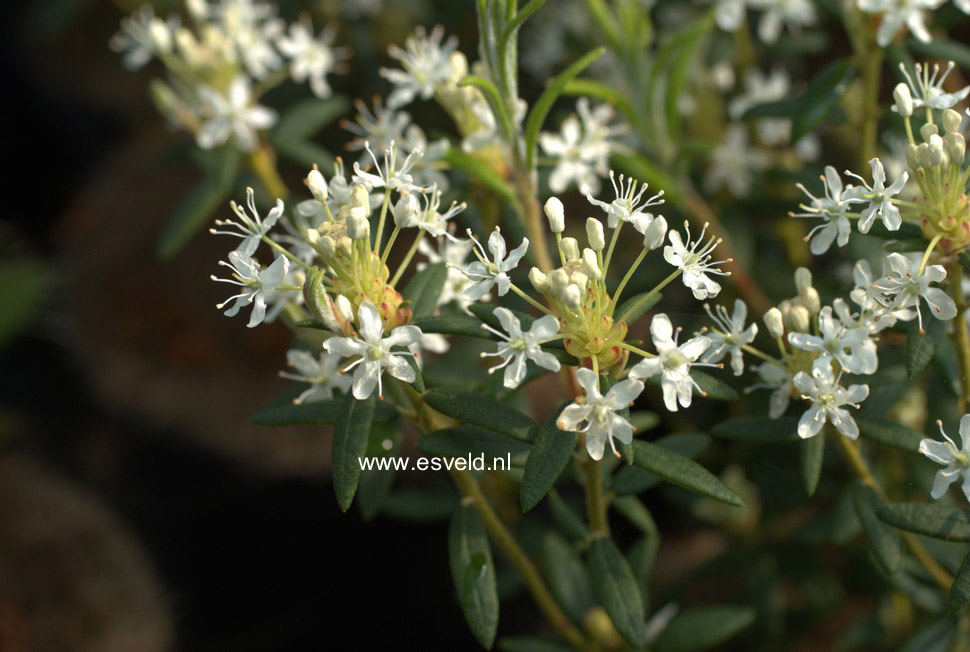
x: 832, y: 207
x: 851, y: 347
x: 253, y: 28
x: 760, y: 88
x: 485, y: 273
x: 257, y: 284
x: 390, y: 176
x: 880, y: 198
x: 779, y: 380
x: 897, y: 13
x: 375, y: 351
x: 311, y: 58
x: 673, y: 362
x: 232, y: 115
x: 453, y: 253
x: 956, y: 458
x: 694, y: 258
x: 822, y: 388
x: 426, y: 62
x: 518, y: 346
x: 321, y: 371
x: 776, y: 14
x: 250, y: 229
x: 731, y: 335
x: 734, y: 162
x: 902, y: 288
x: 141, y: 37
x: 729, y: 14
x: 597, y: 414
x: 629, y: 204
x: 581, y: 148
x: 872, y: 314
x: 927, y: 87
x: 433, y: 222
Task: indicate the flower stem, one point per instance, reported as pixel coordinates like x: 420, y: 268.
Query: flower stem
x: 628, y: 275
x: 380, y: 223
x: 852, y: 453
x: 283, y: 251
x: 871, y: 69
x: 960, y: 336
x: 535, y: 304
x: 926, y: 254
x: 520, y: 560
x: 407, y: 258
x: 390, y: 243
x: 609, y: 252
x: 637, y: 350
x: 649, y: 295
x: 595, y: 505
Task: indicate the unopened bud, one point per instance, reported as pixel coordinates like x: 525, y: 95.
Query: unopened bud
x: 912, y: 156
x: 317, y: 185
x: 343, y: 310
x: 773, y: 321
x: 558, y: 280
x: 937, y: 153
x: 327, y: 248
x: 904, y: 100
x: 360, y: 198
x: 655, y: 233
x: 951, y: 120
x: 591, y: 265
x: 810, y: 299
x: 358, y: 226
x: 803, y: 279
x: 572, y: 296
x: 406, y: 211
x: 578, y: 279
x: 925, y: 159
x: 555, y: 214
x: 539, y: 280
x: 928, y: 130
x: 594, y: 233
x: 345, y: 247
x: 570, y: 248
x: 799, y: 319
x: 956, y: 147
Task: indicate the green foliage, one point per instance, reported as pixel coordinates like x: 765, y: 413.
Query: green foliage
x: 350, y: 436
x: 473, y: 573
x: 683, y: 472
x: 703, y: 628
x: 920, y: 346
x: 812, y: 455
x: 932, y: 519
x: 616, y: 589
x: 424, y: 289
x: 551, y: 452
x: 482, y: 412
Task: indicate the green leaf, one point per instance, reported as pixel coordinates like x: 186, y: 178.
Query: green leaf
x: 461, y: 441
x: 567, y: 519
x: 306, y: 117
x: 453, y: 325
x: 375, y: 484
x: 483, y: 412
x: 889, y: 433
x: 905, y: 246
x: 418, y: 382
x: 683, y: 472
x: 551, y: 452
x: 202, y: 201
x: 930, y: 519
x: 703, y: 628
x: 935, y: 637
x: 640, y: 309
x: 482, y: 173
x: 600, y: 91
x: 960, y: 591
x: 419, y: 505
x: 533, y: 123
x: 920, y: 346
x: 530, y: 644
x: 473, y: 573
x: 616, y: 589
x: 314, y: 413
x: 424, y: 289
x: 883, y: 540
x: 822, y: 95
x: 812, y: 455
x: 349, y: 445
x: 634, y: 480
x: 636, y: 513
x: 758, y: 429
x: 566, y: 576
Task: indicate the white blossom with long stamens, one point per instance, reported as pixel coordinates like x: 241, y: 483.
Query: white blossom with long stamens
x: 390, y: 176
x: 486, y: 274
x: 927, y: 87
x: 903, y: 287
x: 426, y: 63
x: 321, y: 371
x: 258, y: 284
x: 694, y: 258
x: 731, y: 335
x: 250, y: 228
x: 880, y: 198
x: 851, y: 347
x: 629, y: 204
x: 433, y: 222
x: 232, y: 115
x: 311, y: 57
x: 832, y: 207
x: 673, y: 362
x: 896, y: 13
x: 779, y: 380
x: 518, y: 346
x: 822, y: 388
x: 597, y: 416
x: 955, y: 458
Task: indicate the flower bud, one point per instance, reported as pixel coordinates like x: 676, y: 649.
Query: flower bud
x: 360, y: 198
x: 345, y: 247
x: 937, y: 153
x: 558, y: 280
x: 810, y: 299
x: 925, y: 159
x: 570, y: 248
x: 912, y: 156
x: 572, y: 296
x: 539, y: 280
x: 160, y: 35
x: 343, y: 310
x: 951, y: 120
x: 956, y: 147
x: 594, y: 233
x: 904, y: 100
x: 773, y: 321
x: 555, y: 214
x: 327, y: 248
x: 928, y: 130
x: 406, y: 211
x: 803, y: 279
x: 799, y: 320
x: 358, y: 226
x: 578, y: 279
x: 317, y: 185
x: 655, y: 233
x: 591, y: 265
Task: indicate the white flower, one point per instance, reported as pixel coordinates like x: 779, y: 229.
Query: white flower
x: 963, y: 5
x: 880, y: 201
x: 629, y: 203
x: 779, y: 380
x: 375, y: 351
x: 896, y: 13
x: 259, y: 285
x: 322, y: 372
x: 873, y: 315
x: 778, y: 13
x: 581, y: 148
x: 453, y: 253
x: 734, y: 162
x: 141, y: 37
x: 673, y: 362
x: 519, y: 347
x: 251, y: 230
x: 827, y: 396
x: 833, y: 208
x: 391, y: 176
x: 851, y: 347
x: 252, y: 27
x: 430, y: 220
x: 729, y: 14
x: 956, y: 459
x: 426, y: 62
x: 731, y: 336
x: 310, y: 58
x: 902, y: 288
x: 599, y: 413
x: 485, y: 273
x: 761, y: 89
x: 232, y: 115
x: 927, y: 88
x: 694, y: 258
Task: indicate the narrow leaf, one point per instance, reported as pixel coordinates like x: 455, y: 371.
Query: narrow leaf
x: 375, y: 484
x: 349, y: 445
x: 920, y: 346
x: 641, y: 309
x: 822, y: 95
x: 566, y: 575
x: 634, y: 480
x: 453, y: 325
x: 703, y: 628
x: 464, y: 440
x: 960, y: 591
x: 473, y: 573
x: 551, y: 452
x: 932, y: 520
x: 425, y: 288
x: 812, y: 455
x: 889, y: 433
x: 757, y: 429
x: 616, y: 589
x: 883, y: 540
x: 483, y: 412
x: 683, y: 472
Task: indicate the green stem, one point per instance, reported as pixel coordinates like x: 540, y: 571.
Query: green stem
x: 530, y: 300
x: 595, y: 505
x: 380, y: 223
x: 871, y: 69
x: 407, y: 258
x: 926, y: 254
x: 628, y: 275
x: 960, y: 336
x: 390, y: 243
x: 283, y: 251
x: 609, y: 252
x: 637, y: 350
x: 649, y: 295
x: 262, y: 160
